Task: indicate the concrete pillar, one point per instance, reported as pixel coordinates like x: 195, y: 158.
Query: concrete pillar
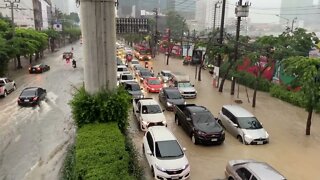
x: 99, y: 37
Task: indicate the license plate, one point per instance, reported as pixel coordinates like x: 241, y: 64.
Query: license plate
x: 215, y: 139
x: 259, y: 142
x: 175, y: 177
x: 26, y: 100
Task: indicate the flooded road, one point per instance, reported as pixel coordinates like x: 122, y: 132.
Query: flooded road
x: 292, y: 153
x: 33, y: 140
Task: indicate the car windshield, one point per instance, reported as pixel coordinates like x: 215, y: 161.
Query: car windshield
x: 186, y: 84
x: 129, y: 77
x: 166, y: 74
x: 154, y: 81
x: 145, y: 73
x: 151, y: 109
x: 28, y: 92
x: 145, y: 52
x: 168, y: 149
x: 174, y: 95
x: 202, y: 117
x: 134, y: 87
x: 134, y: 62
x: 249, y: 123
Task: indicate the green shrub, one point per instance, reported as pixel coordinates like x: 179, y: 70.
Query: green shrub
x: 246, y: 78
x: 68, y: 171
x: 135, y: 168
x: 101, y: 153
x: 104, y: 106
x: 295, y: 98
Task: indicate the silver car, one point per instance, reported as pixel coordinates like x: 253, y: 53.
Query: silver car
x: 165, y: 75
x: 243, y: 125
x: 251, y: 170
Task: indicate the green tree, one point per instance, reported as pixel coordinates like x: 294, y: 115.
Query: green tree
x: 307, y: 72
x: 177, y: 25
x: 53, y: 36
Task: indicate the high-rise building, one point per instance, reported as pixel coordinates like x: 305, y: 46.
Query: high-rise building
x: 186, y: 8
x: 305, y: 12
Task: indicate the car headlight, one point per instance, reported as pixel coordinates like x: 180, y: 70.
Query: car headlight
x: 140, y: 57
x: 144, y: 123
x: 141, y: 96
x: 169, y: 104
x: 185, y: 103
x: 160, y: 168
x: 196, y: 92
x: 267, y: 135
x: 152, y: 89
x: 164, y: 122
x: 149, y: 57
x: 185, y: 166
x: 201, y: 133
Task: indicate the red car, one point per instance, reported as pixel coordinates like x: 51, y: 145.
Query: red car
x: 152, y: 84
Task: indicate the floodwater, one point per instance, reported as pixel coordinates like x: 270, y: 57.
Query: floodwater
x: 33, y: 141
x: 290, y: 151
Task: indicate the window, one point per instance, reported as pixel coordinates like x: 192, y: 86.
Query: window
x: 150, y: 141
x: 7, y: 81
x: 168, y: 149
x: 244, y: 173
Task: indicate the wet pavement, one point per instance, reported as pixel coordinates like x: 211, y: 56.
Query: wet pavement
x: 290, y: 151
x: 33, y: 140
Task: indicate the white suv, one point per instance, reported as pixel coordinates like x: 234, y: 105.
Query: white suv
x: 243, y: 125
x: 164, y: 154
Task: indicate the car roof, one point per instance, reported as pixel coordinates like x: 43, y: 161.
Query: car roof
x: 194, y: 109
x: 161, y: 133
x: 122, y: 66
x: 30, y: 88
x: 131, y: 82
x: 170, y: 89
x: 238, y: 111
x: 264, y: 171
x: 148, y: 102
x: 152, y: 78
x: 166, y: 71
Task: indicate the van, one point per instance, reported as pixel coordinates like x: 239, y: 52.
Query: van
x: 182, y: 82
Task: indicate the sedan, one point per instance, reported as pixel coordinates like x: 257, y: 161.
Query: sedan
x: 251, y: 169
x: 39, y: 68
x: 152, y: 84
x: 32, y: 96
x: 144, y: 74
x: 170, y: 96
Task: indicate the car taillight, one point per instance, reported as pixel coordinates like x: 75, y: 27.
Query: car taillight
x: 38, y: 69
x: 34, y: 99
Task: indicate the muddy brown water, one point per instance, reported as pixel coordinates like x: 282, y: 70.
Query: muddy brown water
x: 290, y: 151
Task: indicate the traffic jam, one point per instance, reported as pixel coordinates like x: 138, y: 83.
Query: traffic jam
x: 165, y: 156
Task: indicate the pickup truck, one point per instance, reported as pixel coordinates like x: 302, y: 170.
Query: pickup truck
x: 182, y: 82
x: 199, y: 123
x: 6, y: 86
x: 148, y: 113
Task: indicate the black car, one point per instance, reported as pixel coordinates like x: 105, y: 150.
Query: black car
x: 144, y: 73
x: 39, y: 68
x: 199, y: 123
x: 31, y: 96
x: 133, y: 89
x: 170, y: 96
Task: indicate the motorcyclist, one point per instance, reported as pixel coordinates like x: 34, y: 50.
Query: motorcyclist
x: 74, y: 63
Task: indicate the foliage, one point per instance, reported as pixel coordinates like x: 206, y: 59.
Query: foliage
x: 68, y: 171
x: 295, y: 98
x: 73, y: 33
x: 101, y: 153
x: 176, y: 24
x: 104, y: 106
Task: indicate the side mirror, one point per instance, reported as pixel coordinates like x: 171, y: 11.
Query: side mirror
x: 149, y: 152
x: 184, y: 149
x: 188, y: 119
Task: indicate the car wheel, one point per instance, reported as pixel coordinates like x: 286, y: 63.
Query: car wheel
x: 193, y: 139
x: 240, y: 139
x: 230, y: 178
x: 176, y: 120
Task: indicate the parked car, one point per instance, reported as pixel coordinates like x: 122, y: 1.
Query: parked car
x: 125, y: 77
x: 164, y: 154
x: 144, y: 74
x: 133, y: 89
x: 66, y: 55
x: 170, y: 96
x: 251, y: 170
x: 199, y: 123
x: 6, y: 86
x: 182, y: 82
x: 32, y: 96
x: 243, y: 125
x: 119, y: 62
x: 152, y: 84
x: 39, y: 68
x: 148, y: 113
x: 165, y: 75
x: 133, y: 63
x: 122, y: 69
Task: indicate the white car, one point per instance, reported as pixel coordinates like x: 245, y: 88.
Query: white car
x: 126, y: 77
x: 133, y: 63
x: 122, y: 69
x: 243, y: 125
x: 164, y: 154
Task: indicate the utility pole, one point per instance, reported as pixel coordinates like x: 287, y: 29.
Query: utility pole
x: 12, y: 6
x: 241, y: 11
x: 188, y: 43
x: 99, y: 34
x: 169, y: 44
x: 293, y: 21
x: 155, y: 10
x: 221, y: 40
x: 216, y: 5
